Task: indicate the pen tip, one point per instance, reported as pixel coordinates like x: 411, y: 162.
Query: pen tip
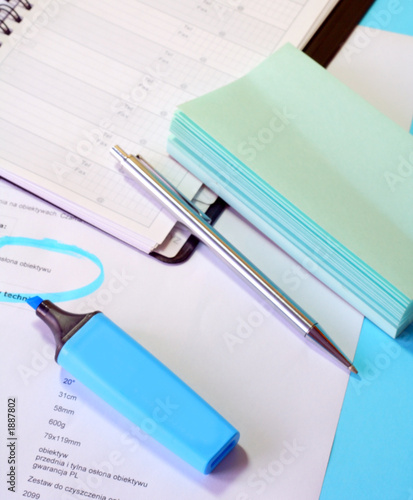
x: 353, y: 369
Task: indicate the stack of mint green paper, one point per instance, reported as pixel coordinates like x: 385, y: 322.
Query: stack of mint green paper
x: 318, y: 170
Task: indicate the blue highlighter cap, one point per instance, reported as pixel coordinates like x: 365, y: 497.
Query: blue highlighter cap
x: 113, y: 365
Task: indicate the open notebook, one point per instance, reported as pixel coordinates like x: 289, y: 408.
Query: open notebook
x: 78, y: 77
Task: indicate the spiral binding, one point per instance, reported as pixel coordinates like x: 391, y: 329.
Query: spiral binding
x: 9, y: 13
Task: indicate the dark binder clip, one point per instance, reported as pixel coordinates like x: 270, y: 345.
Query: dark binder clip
x: 210, y: 216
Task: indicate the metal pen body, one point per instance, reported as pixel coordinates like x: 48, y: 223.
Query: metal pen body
x: 184, y: 212
x: 196, y: 222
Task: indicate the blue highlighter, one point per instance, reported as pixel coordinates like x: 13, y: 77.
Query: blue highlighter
x: 113, y: 365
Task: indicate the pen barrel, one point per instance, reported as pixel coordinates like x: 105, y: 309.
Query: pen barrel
x: 185, y: 213
x: 252, y: 276
x: 124, y: 374
x: 156, y: 185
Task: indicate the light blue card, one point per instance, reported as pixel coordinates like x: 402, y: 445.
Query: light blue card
x: 372, y: 455
x: 391, y: 15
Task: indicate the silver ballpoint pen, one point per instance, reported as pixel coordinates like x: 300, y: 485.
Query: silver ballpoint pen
x: 198, y: 224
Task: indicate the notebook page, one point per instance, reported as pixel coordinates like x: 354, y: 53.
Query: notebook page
x: 78, y: 77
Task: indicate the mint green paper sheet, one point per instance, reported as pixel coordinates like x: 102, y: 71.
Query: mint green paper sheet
x: 328, y: 152
x: 332, y: 142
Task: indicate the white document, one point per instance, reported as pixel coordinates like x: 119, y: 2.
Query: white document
x: 283, y: 395
x: 79, y: 77
x: 367, y: 64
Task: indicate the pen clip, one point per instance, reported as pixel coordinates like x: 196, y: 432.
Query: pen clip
x: 178, y: 193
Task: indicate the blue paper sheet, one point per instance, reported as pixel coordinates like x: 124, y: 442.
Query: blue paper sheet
x: 391, y: 15
x: 372, y: 455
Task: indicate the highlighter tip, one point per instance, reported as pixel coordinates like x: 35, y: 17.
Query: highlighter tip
x: 34, y: 301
